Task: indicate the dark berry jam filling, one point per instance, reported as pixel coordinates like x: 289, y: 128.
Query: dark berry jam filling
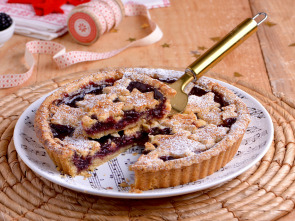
x: 144, y: 88
x: 109, y: 145
x: 217, y: 97
x: 145, y: 152
x: 81, y: 163
x: 229, y: 122
x: 139, y: 138
x: 129, y: 117
x: 197, y: 91
x: 164, y: 131
x: 91, y: 88
x: 166, y: 158
x: 168, y: 81
x: 220, y: 99
x: 61, y: 131
x: 158, y: 112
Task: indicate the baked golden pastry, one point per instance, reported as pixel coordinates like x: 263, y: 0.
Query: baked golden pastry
x: 92, y: 120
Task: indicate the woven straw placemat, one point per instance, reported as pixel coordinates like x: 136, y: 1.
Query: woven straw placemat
x: 264, y: 192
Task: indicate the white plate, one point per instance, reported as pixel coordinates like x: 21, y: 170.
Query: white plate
x: 106, y: 179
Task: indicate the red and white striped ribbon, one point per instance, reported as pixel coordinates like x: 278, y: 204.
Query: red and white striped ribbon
x: 64, y: 59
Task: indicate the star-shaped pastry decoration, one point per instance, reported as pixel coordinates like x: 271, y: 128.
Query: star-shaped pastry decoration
x: 202, y: 104
x: 119, y: 88
x: 66, y: 115
x: 214, y: 116
x: 106, y: 108
x: 209, y: 135
x: 145, y: 25
x: 139, y: 101
x: 179, y: 122
x: 229, y: 112
x: 165, y: 45
x: 177, y: 145
x: 84, y: 147
x: 131, y: 39
x: 90, y: 100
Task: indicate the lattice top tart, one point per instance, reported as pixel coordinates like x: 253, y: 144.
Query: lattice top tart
x: 92, y: 120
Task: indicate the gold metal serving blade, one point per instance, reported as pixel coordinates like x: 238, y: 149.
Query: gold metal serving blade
x: 179, y: 102
x: 211, y: 57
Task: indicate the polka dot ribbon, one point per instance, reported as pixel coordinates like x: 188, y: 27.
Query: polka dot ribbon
x: 64, y: 59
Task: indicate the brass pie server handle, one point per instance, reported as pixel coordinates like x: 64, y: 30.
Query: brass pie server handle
x: 211, y: 57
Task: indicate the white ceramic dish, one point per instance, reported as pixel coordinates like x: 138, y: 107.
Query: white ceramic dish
x: 106, y: 179
x: 6, y: 34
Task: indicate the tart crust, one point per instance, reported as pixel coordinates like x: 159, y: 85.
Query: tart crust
x: 179, y: 149
x: 146, y: 179
x: 152, y: 173
x: 62, y: 152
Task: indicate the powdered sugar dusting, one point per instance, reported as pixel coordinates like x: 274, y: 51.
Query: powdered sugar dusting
x: 161, y: 74
x: 81, y: 144
x: 65, y: 115
x: 106, y: 108
x: 177, y: 146
x: 193, y: 132
x: 119, y: 87
x: 202, y: 104
x: 210, y: 134
x: 42, y: 164
x: 139, y: 101
x: 90, y: 100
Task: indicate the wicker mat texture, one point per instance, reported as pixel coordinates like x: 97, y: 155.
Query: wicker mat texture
x: 264, y: 192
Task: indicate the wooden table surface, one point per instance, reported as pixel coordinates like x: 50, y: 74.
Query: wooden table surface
x: 266, y: 60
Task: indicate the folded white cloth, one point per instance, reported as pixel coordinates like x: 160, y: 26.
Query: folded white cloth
x: 53, y: 25
x: 150, y: 3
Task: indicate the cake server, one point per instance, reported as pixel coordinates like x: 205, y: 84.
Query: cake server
x: 211, y: 57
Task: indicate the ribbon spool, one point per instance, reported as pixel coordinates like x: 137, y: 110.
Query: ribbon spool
x: 88, y: 21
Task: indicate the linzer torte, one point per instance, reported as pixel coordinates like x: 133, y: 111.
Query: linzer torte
x: 92, y: 120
